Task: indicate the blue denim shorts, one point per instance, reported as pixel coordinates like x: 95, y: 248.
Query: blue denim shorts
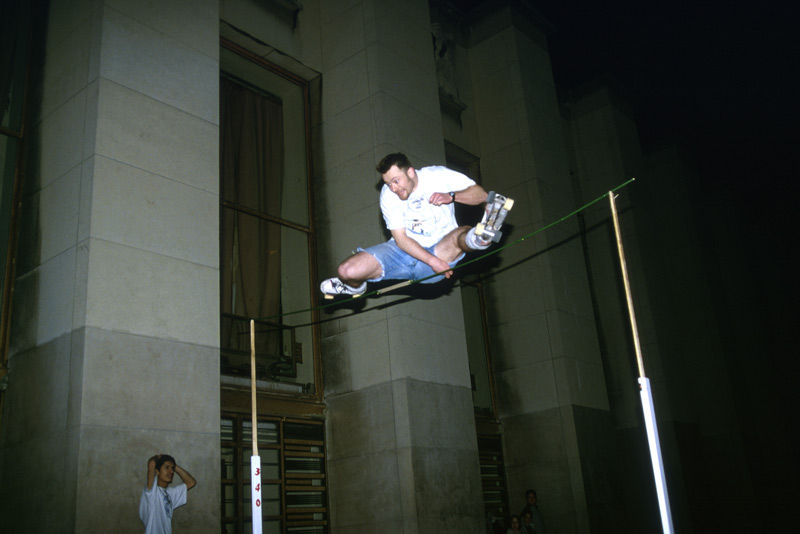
x: 399, y: 265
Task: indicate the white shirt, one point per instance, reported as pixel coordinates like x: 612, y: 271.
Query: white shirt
x: 424, y: 223
x: 157, y: 504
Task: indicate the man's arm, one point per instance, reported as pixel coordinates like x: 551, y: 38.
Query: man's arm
x: 415, y: 250
x: 472, y: 196
x: 151, y: 471
x: 186, y: 478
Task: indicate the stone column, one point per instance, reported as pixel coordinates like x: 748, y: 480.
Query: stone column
x: 115, y: 331
x: 402, y: 448
x: 548, y: 371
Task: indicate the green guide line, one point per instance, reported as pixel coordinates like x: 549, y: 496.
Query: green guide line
x: 406, y: 283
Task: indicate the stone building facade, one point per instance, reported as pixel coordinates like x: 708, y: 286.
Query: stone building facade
x: 419, y: 410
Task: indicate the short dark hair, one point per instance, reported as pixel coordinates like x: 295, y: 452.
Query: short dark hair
x: 396, y: 158
x: 528, y: 492
x: 164, y: 458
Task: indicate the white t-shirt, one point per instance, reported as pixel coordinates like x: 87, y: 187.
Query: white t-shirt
x: 155, y: 502
x: 424, y: 223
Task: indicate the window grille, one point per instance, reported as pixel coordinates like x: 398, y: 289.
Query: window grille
x: 294, y: 487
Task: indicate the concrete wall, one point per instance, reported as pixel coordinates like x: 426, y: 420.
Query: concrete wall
x: 602, y: 136
x: 678, y: 329
x: 710, y: 417
x: 114, y: 351
x: 548, y: 372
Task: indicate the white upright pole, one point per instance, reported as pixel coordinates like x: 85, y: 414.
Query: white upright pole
x: 255, y: 459
x: 644, y: 390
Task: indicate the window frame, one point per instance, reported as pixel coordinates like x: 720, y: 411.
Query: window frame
x: 30, y: 30
x: 463, y: 161
x: 309, y: 230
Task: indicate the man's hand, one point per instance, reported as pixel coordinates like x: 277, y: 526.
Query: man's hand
x: 438, y: 199
x: 151, y: 471
x: 415, y: 250
x: 471, y: 196
x: 185, y: 477
x: 440, y: 266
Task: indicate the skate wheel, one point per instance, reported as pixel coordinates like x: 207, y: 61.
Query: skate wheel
x: 479, y: 229
x: 328, y: 297
x: 490, y: 198
x: 509, y: 204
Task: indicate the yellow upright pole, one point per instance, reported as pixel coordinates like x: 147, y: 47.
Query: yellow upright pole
x: 255, y: 460
x: 253, y: 385
x: 644, y: 389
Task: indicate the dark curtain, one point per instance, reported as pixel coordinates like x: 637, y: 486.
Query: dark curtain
x: 251, y: 154
x: 12, y: 28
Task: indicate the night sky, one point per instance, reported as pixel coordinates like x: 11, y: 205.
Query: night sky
x: 713, y: 75
x: 716, y: 78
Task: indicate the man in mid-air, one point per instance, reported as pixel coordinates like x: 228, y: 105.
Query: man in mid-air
x: 418, y: 207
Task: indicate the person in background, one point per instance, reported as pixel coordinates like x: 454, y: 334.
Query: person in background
x: 527, y: 523
x: 158, y: 500
x: 516, y: 526
x: 531, y: 506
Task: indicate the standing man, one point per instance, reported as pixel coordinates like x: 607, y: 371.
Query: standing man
x: 531, y: 507
x: 158, y: 500
x: 418, y: 207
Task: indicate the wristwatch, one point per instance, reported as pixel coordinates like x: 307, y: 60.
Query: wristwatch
x: 453, y: 195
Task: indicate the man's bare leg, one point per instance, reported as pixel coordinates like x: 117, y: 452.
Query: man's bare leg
x: 362, y: 266
x: 458, y: 241
x: 452, y: 245
x: 353, y: 275
x: 359, y: 268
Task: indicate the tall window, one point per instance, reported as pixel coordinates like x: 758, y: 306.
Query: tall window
x: 475, y: 327
x: 266, y: 239
x: 490, y: 441
x: 472, y: 300
x: 293, y: 479
x: 16, y: 26
x: 266, y: 260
